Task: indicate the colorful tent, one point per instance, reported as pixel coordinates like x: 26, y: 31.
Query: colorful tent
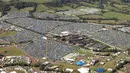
x: 80, y: 63
x: 100, y: 70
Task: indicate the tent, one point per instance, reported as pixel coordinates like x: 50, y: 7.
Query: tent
x: 83, y: 70
x: 2, y: 72
x: 13, y: 72
x: 100, y: 70
x: 80, y: 63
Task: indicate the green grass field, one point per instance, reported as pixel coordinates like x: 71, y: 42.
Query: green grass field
x: 64, y: 7
x: 13, y: 9
x: 119, y: 16
x: 41, y: 8
x: 64, y: 65
x: 37, y: 1
x: 7, y: 33
x: 11, y: 51
x: 91, y: 16
x: 26, y: 9
x: 87, y: 54
x: 121, y: 6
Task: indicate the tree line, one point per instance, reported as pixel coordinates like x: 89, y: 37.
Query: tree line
x: 19, y: 5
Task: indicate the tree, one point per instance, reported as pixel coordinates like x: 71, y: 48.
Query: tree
x: 1, y: 5
x: 128, y: 51
x: 126, y: 1
x: 5, y: 51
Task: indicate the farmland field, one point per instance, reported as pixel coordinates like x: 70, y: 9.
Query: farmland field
x: 116, y: 15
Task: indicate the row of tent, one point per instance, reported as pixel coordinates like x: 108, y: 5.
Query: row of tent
x: 81, y: 63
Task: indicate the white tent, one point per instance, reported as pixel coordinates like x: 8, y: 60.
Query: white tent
x: 2, y: 72
x: 83, y: 70
x: 13, y: 72
x: 69, y: 70
x: 1, y: 69
x: 67, y: 59
x: 64, y: 33
x: 45, y: 38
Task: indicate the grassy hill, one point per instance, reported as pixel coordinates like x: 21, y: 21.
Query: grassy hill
x: 112, y: 9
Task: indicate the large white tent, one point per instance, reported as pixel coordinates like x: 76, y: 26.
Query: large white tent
x: 13, y: 72
x: 2, y: 72
x: 83, y: 70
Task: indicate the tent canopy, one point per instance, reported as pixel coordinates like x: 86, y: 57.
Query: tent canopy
x: 100, y: 70
x: 80, y: 63
x: 83, y: 70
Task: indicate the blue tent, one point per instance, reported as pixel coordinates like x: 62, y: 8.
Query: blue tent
x: 100, y: 70
x: 80, y: 63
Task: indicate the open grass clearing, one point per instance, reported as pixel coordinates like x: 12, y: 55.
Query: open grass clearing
x: 7, y: 33
x: 121, y: 6
x: 119, y: 16
x: 13, y: 8
x: 36, y: 1
x: 41, y: 8
x: 62, y: 8
x: 87, y: 53
x: 66, y: 65
x: 11, y: 51
x: 26, y: 9
x: 91, y: 16
x: 88, y: 4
